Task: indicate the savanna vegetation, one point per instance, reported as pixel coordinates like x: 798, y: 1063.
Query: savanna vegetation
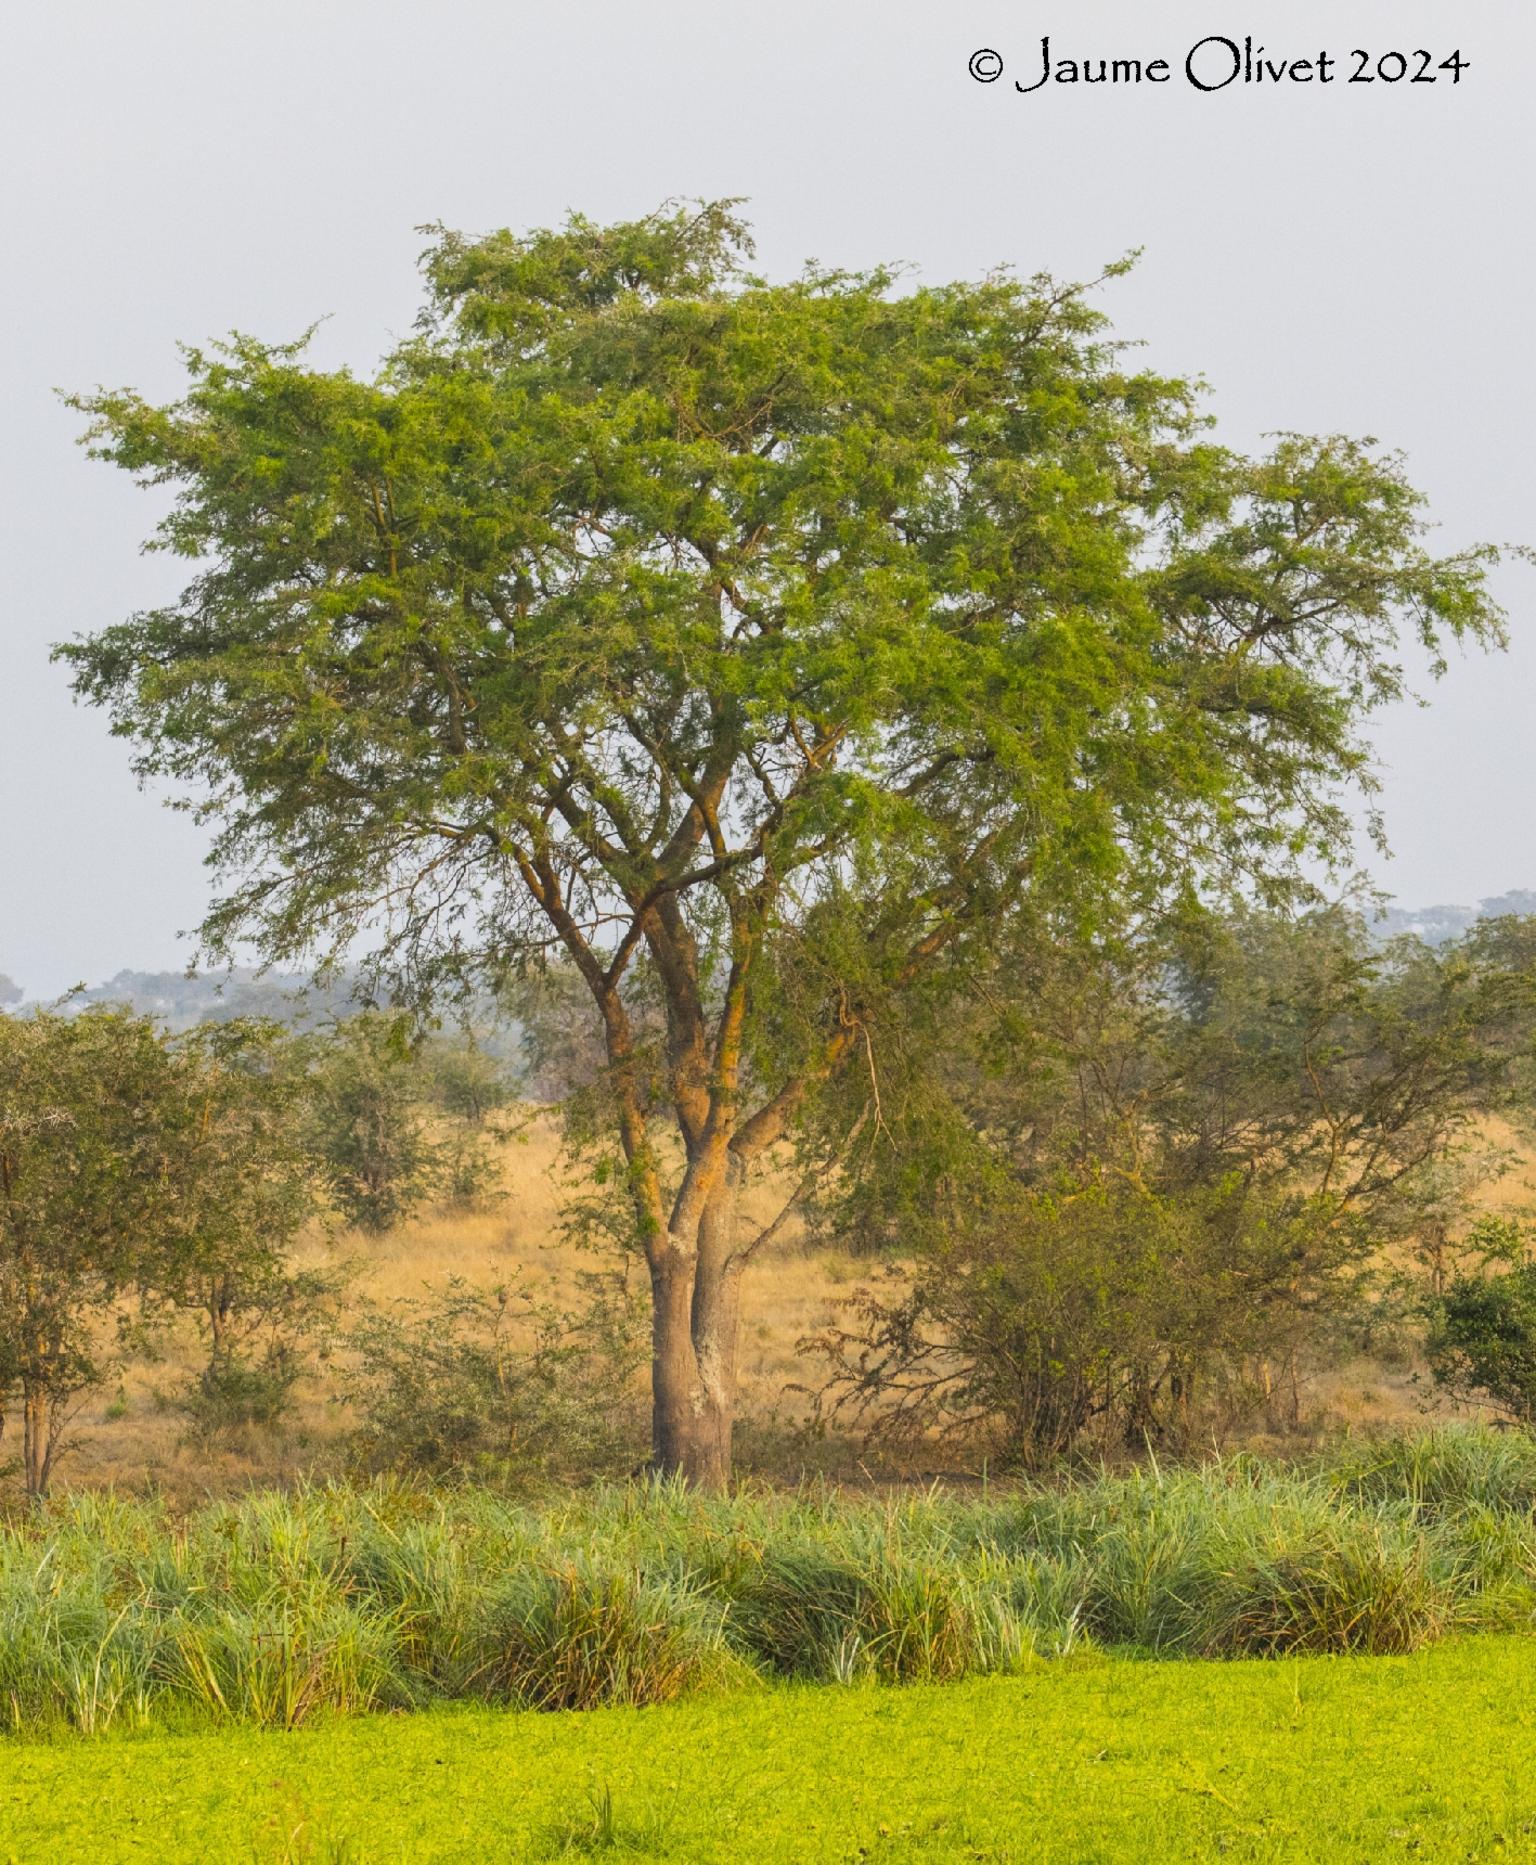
x: 1140, y: 1199
x: 116, y: 1615
x: 775, y: 654
x: 845, y: 781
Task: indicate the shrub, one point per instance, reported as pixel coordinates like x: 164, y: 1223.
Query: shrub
x: 494, y: 1380
x: 233, y: 1393
x: 1482, y: 1342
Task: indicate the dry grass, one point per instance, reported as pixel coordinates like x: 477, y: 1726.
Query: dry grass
x: 129, y: 1436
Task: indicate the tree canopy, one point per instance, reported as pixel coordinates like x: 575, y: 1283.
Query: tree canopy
x: 130, y: 1165
x: 757, y: 644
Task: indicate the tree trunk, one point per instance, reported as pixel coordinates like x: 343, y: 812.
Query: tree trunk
x: 695, y: 1316
x: 37, y: 1440
x: 217, y: 1307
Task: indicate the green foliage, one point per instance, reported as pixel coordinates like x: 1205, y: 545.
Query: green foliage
x: 1364, y: 1590
x: 230, y: 1265
x: 377, y: 1102
x: 133, y: 1166
x: 910, y: 523
x: 270, y: 1324
x: 467, y: 1082
x: 1140, y: 1180
x: 1482, y: 1341
x: 767, y: 648
x: 368, y: 1124
x: 1444, y: 1474
x: 495, y: 1380
x: 232, y: 1393
x: 84, y: 1104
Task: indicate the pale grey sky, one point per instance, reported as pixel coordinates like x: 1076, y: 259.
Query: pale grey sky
x: 1357, y: 257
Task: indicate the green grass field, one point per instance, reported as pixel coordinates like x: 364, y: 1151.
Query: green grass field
x: 1431, y: 1756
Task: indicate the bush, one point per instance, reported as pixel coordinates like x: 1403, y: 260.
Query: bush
x: 232, y: 1394
x: 1139, y: 1317
x: 859, y: 1603
x: 1482, y: 1341
x: 494, y: 1381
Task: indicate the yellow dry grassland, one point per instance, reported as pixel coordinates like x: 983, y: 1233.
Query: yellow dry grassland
x: 129, y: 1436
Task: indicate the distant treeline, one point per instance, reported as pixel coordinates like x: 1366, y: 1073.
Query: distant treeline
x: 180, y: 1001
x: 1436, y: 925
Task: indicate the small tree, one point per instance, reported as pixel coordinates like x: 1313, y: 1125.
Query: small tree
x: 1483, y: 1342
x: 473, y: 1091
x: 1482, y: 1332
x: 87, y: 1201
x: 468, y: 1083
x: 269, y: 1317
x: 367, y: 1121
x: 247, y: 1190
x: 763, y: 646
x: 243, y: 1172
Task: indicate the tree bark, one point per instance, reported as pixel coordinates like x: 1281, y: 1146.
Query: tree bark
x: 695, y: 1310
x: 37, y: 1440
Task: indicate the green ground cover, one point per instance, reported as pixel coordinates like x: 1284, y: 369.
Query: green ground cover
x: 1328, y: 1660
x: 1431, y: 1756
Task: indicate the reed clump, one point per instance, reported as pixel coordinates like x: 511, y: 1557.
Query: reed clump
x: 285, y: 1606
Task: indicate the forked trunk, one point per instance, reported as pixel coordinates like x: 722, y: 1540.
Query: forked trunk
x: 695, y: 1309
x: 36, y: 1440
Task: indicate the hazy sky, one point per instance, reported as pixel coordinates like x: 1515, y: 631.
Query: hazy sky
x: 1355, y: 257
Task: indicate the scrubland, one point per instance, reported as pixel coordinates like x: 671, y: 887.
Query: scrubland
x: 129, y: 1434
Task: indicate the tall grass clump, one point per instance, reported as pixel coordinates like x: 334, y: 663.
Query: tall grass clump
x: 1441, y: 1472
x: 812, y: 1612
x: 282, y: 1608
x: 586, y: 1634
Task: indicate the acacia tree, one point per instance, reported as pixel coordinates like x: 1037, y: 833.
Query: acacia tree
x: 758, y: 644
